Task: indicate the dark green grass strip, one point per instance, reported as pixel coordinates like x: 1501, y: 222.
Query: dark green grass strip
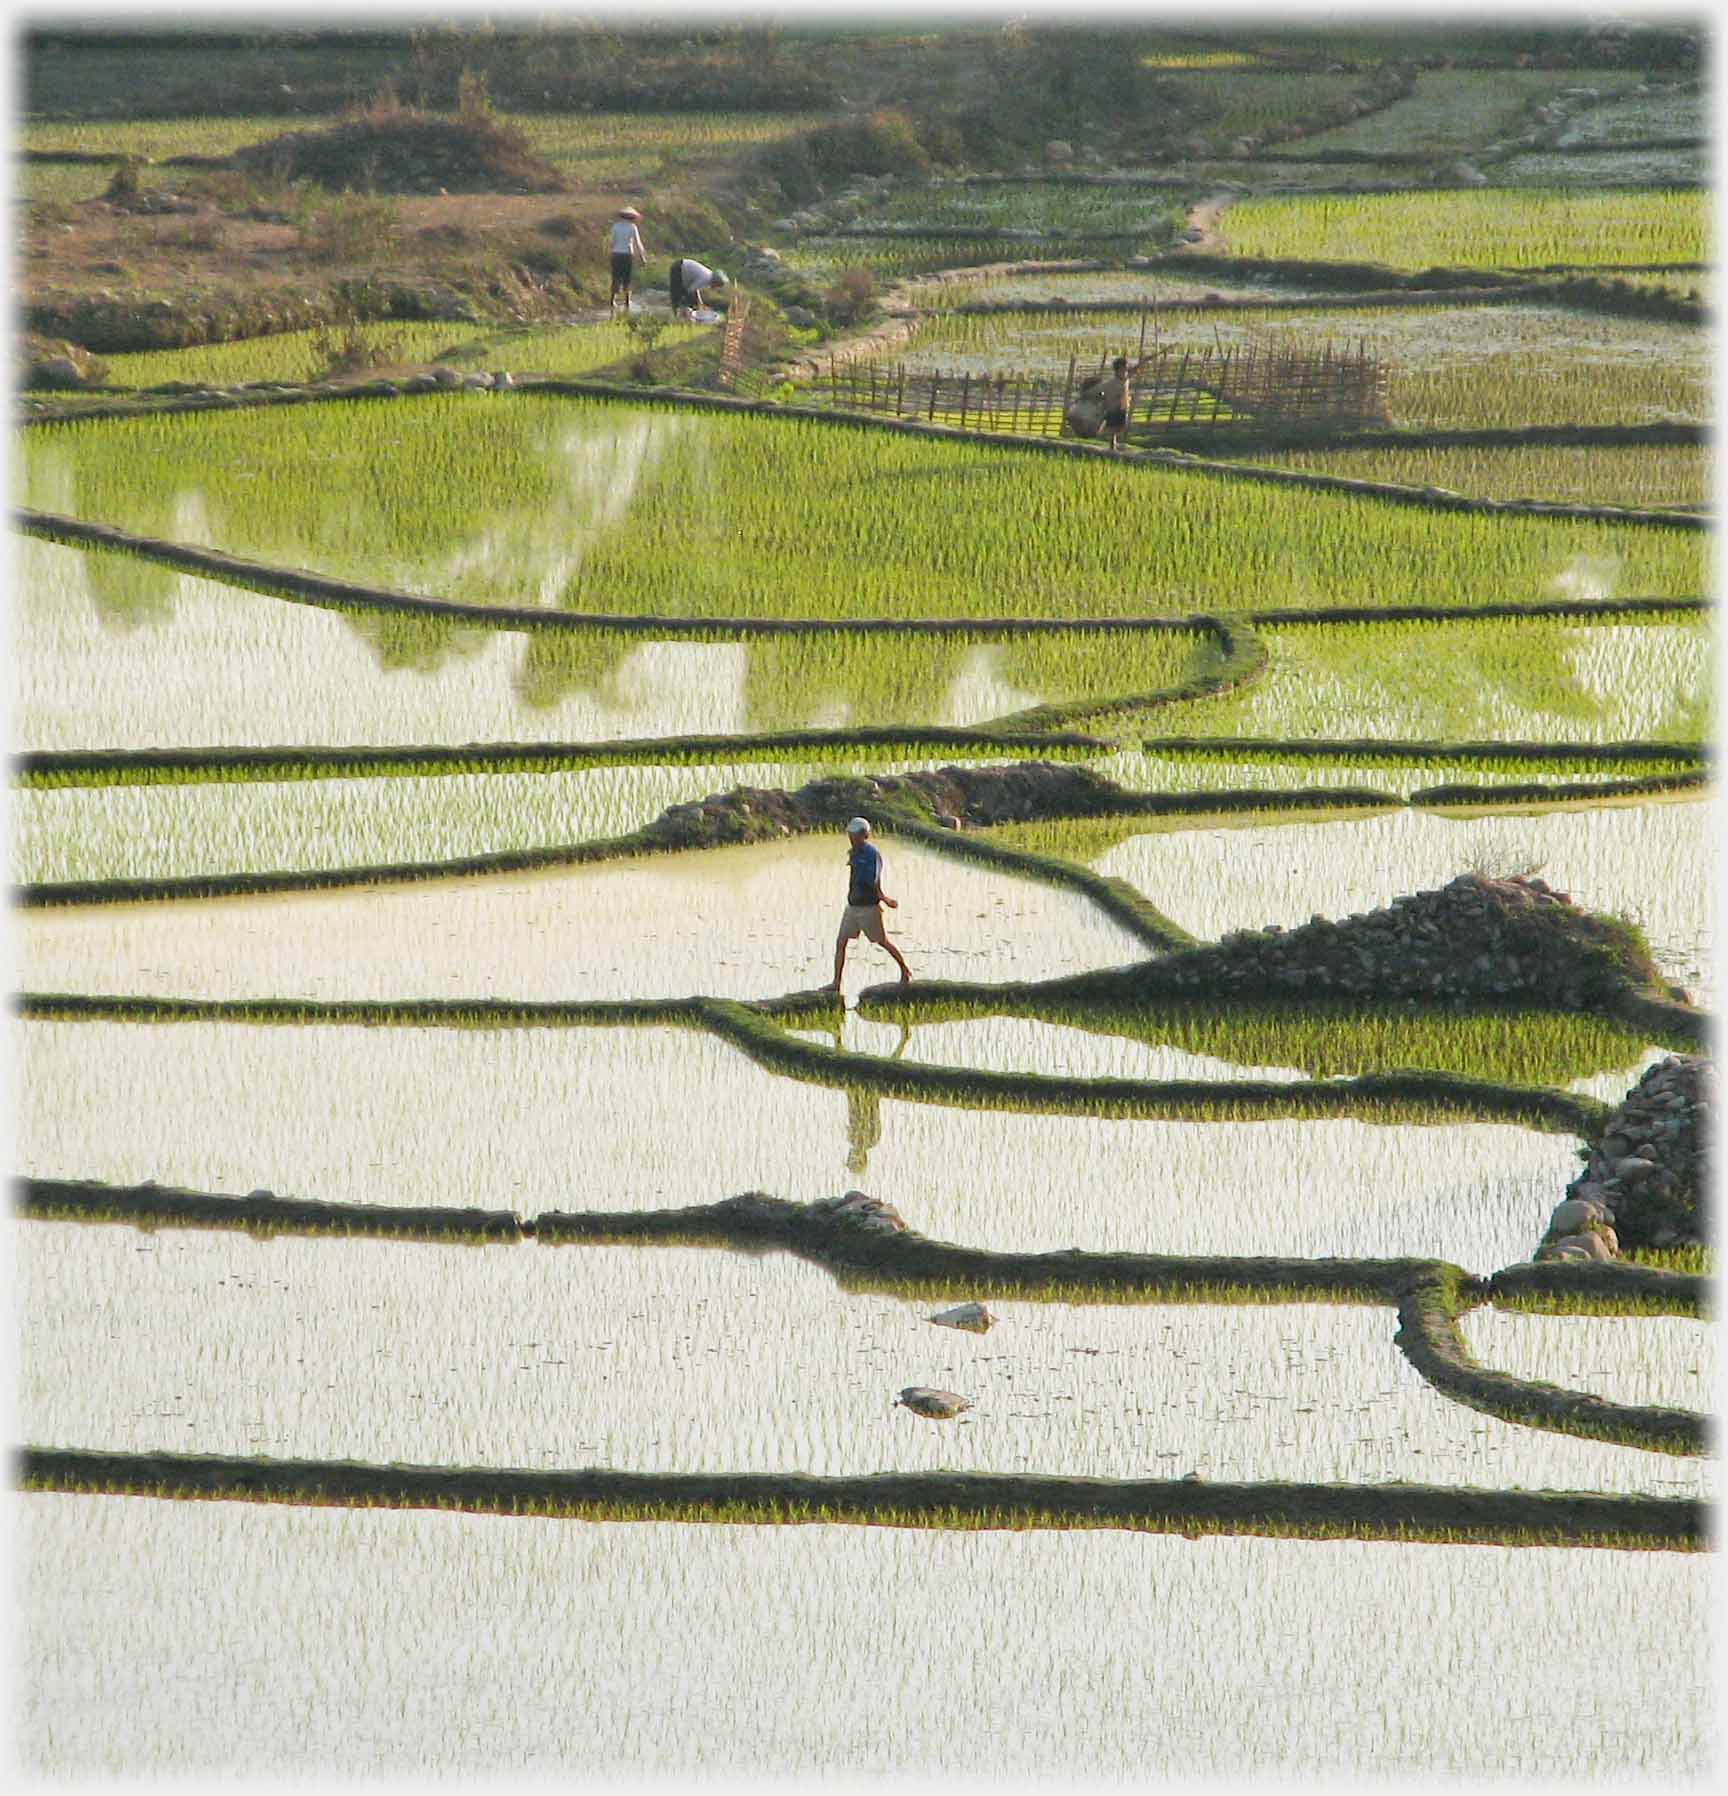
x: 184, y: 766
x: 1584, y: 609
x: 1429, y: 1338
x: 898, y: 1499
x: 1370, y: 750
x: 87, y: 1200
x: 1537, y: 795
x: 1397, y: 1097
x: 1601, y: 1288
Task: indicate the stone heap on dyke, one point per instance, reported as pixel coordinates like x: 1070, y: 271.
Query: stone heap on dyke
x: 1647, y: 1183
x: 1472, y: 940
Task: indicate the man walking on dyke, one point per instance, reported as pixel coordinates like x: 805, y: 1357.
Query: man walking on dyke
x: 864, y: 901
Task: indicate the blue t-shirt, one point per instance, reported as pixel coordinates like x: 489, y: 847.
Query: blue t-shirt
x: 866, y: 867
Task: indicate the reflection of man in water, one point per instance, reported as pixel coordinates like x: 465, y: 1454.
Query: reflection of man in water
x: 864, y: 1107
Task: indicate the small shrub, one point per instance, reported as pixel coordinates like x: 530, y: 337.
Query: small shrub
x: 124, y: 184
x: 645, y: 330
x: 340, y: 227
x: 852, y: 298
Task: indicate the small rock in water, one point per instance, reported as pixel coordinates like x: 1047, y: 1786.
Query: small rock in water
x: 936, y: 1406
x: 971, y: 1316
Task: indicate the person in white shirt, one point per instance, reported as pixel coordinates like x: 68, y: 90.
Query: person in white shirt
x: 625, y: 242
x: 687, y: 282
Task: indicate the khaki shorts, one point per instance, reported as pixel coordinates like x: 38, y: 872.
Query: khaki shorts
x: 864, y: 920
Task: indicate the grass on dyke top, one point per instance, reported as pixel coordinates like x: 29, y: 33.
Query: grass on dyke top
x: 542, y: 501
x: 1638, y: 475
x: 1055, y: 210
x: 1476, y: 229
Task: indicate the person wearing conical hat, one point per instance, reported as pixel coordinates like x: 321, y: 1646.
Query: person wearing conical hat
x: 625, y: 242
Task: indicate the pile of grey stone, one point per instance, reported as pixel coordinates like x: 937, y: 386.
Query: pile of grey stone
x: 874, y: 1215
x: 1646, y: 1183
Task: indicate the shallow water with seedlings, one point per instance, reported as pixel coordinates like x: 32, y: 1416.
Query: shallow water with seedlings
x: 747, y: 922
x: 689, y: 1359
x: 403, y: 1636
x: 533, y: 1120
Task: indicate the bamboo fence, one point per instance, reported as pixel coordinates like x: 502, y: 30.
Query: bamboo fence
x: 1176, y: 389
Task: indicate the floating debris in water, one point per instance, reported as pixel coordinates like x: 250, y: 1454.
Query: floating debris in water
x: 938, y: 1406
x: 970, y: 1316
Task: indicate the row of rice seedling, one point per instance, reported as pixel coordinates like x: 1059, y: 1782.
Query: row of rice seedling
x: 290, y: 356
x: 1226, y: 104
x: 1128, y: 288
x: 1456, y: 110
x: 1641, y: 118
x: 327, y: 1593
x: 1612, y: 168
x: 1050, y: 210
x: 1669, y: 1361
x: 1296, y: 1040
x: 237, y: 826
x: 1642, y: 475
x: 1521, y: 679
x: 1227, y: 770
x: 296, y: 356
x: 1476, y: 228
x: 675, y: 1394
x: 536, y: 500
x: 826, y: 258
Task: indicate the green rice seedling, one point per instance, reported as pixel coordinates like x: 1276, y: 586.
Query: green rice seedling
x: 1514, y: 679
x: 1127, y: 288
x: 1642, y: 118
x: 545, y: 502
x: 1476, y: 229
x: 1225, y: 104
x: 1606, y: 168
x: 1453, y: 111
x: 1040, y: 209
x: 1643, y: 475
x: 1330, y: 1039
x: 292, y: 356
x: 1668, y: 1362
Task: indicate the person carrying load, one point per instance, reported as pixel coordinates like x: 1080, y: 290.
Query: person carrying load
x: 1105, y: 402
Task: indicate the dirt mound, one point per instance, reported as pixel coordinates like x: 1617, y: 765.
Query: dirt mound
x: 402, y: 151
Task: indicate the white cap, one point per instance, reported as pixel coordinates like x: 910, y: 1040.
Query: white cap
x: 859, y: 826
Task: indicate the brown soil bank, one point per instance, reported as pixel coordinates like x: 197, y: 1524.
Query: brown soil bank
x: 403, y: 151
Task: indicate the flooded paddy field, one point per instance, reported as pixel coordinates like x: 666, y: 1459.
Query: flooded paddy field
x: 735, y: 922
x: 238, y: 1639
x: 487, y: 1117
x: 198, y: 1342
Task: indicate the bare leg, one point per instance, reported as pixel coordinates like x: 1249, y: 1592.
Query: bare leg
x: 839, y: 964
x: 899, y: 961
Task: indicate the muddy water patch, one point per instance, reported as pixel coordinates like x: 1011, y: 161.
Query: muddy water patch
x: 401, y: 1629
x: 738, y: 922
x: 682, y: 1359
